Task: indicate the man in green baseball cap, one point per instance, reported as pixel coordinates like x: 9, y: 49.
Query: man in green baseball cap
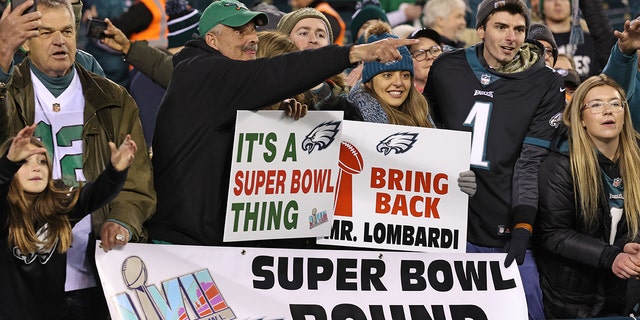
x: 214, y: 76
x: 229, y: 27
x: 229, y: 13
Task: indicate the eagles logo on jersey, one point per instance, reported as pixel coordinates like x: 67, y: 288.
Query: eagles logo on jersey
x: 42, y: 254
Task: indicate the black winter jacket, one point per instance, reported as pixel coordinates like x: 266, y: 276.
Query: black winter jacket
x: 574, y: 258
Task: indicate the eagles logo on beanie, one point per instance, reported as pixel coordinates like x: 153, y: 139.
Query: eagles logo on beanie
x: 378, y: 31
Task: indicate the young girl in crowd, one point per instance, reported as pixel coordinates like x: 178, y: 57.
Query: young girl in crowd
x: 37, y: 217
x: 589, y: 213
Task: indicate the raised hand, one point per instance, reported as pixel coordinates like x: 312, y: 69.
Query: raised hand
x: 15, y: 29
x: 629, y: 38
x: 21, y: 147
x: 354, y: 76
x: 115, y: 38
x: 122, y: 157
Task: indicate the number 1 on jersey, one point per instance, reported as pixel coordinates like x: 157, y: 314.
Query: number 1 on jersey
x: 478, y: 120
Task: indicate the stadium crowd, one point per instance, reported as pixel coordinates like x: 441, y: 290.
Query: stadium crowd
x: 109, y: 108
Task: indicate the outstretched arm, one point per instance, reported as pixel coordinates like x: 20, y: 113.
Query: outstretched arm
x: 385, y: 50
x: 154, y: 63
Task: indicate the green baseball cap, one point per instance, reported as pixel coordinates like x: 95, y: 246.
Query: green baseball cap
x: 230, y: 13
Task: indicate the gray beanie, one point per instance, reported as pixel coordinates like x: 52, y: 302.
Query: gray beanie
x: 539, y: 31
x: 486, y: 7
x: 289, y: 20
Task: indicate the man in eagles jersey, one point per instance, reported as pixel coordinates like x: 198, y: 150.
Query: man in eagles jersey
x: 502, y: 92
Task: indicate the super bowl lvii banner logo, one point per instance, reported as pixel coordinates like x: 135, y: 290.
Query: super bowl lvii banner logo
x: 199, y: 288
x: 177, y: 282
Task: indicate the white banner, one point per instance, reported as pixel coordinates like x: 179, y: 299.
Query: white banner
x: 397, y: 188
x: 150, y: 281
x: 283, y: 175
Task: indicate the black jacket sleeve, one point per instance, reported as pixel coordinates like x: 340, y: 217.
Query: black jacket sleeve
x: 154, y: 63
x: 7, y: 170
x: 525, y: 183
x: 558, y: 225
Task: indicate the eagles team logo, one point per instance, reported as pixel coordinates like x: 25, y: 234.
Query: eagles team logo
x: 399, y: 142
x: 321, y: 136
x: 239, y: 6
x: 617, y: 182
x: 485, y: 79
x: 42, y: 254
x: 556, y: 120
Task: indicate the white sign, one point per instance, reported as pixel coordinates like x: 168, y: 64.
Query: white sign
x: 150, y: 281
x: 397, y: 188
x: 283, y: 175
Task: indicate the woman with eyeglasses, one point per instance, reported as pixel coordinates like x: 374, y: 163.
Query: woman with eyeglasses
x: 423, y: 53
x: 589, y: 208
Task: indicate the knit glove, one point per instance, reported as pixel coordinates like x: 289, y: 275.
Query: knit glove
x: 517, y: 246
x: 467, y: 182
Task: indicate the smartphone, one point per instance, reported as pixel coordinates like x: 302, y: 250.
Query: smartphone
x: 17, y: 3
x: 96, y: 29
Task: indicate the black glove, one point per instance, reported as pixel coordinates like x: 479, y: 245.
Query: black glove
x: 517, y: 246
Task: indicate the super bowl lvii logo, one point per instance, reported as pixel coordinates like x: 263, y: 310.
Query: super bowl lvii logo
x: 191, y: 296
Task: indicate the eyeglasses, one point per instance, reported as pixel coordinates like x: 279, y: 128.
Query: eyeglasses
x: 548, y: 51
x: 597, y: 107
x: 421, y: 54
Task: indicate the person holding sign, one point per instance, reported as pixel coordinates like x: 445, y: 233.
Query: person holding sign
x: 387, y: 95
x: 37, y: 217
x: 501, y: 90
x: 214, y: 76
x: 589, y: 215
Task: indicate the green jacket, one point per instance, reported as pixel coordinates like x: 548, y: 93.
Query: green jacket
x: 154, y: 63
x: 110, y: 114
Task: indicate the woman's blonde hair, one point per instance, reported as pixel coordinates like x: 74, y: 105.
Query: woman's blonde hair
x: 29, y: 212
x: 584, y: 158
